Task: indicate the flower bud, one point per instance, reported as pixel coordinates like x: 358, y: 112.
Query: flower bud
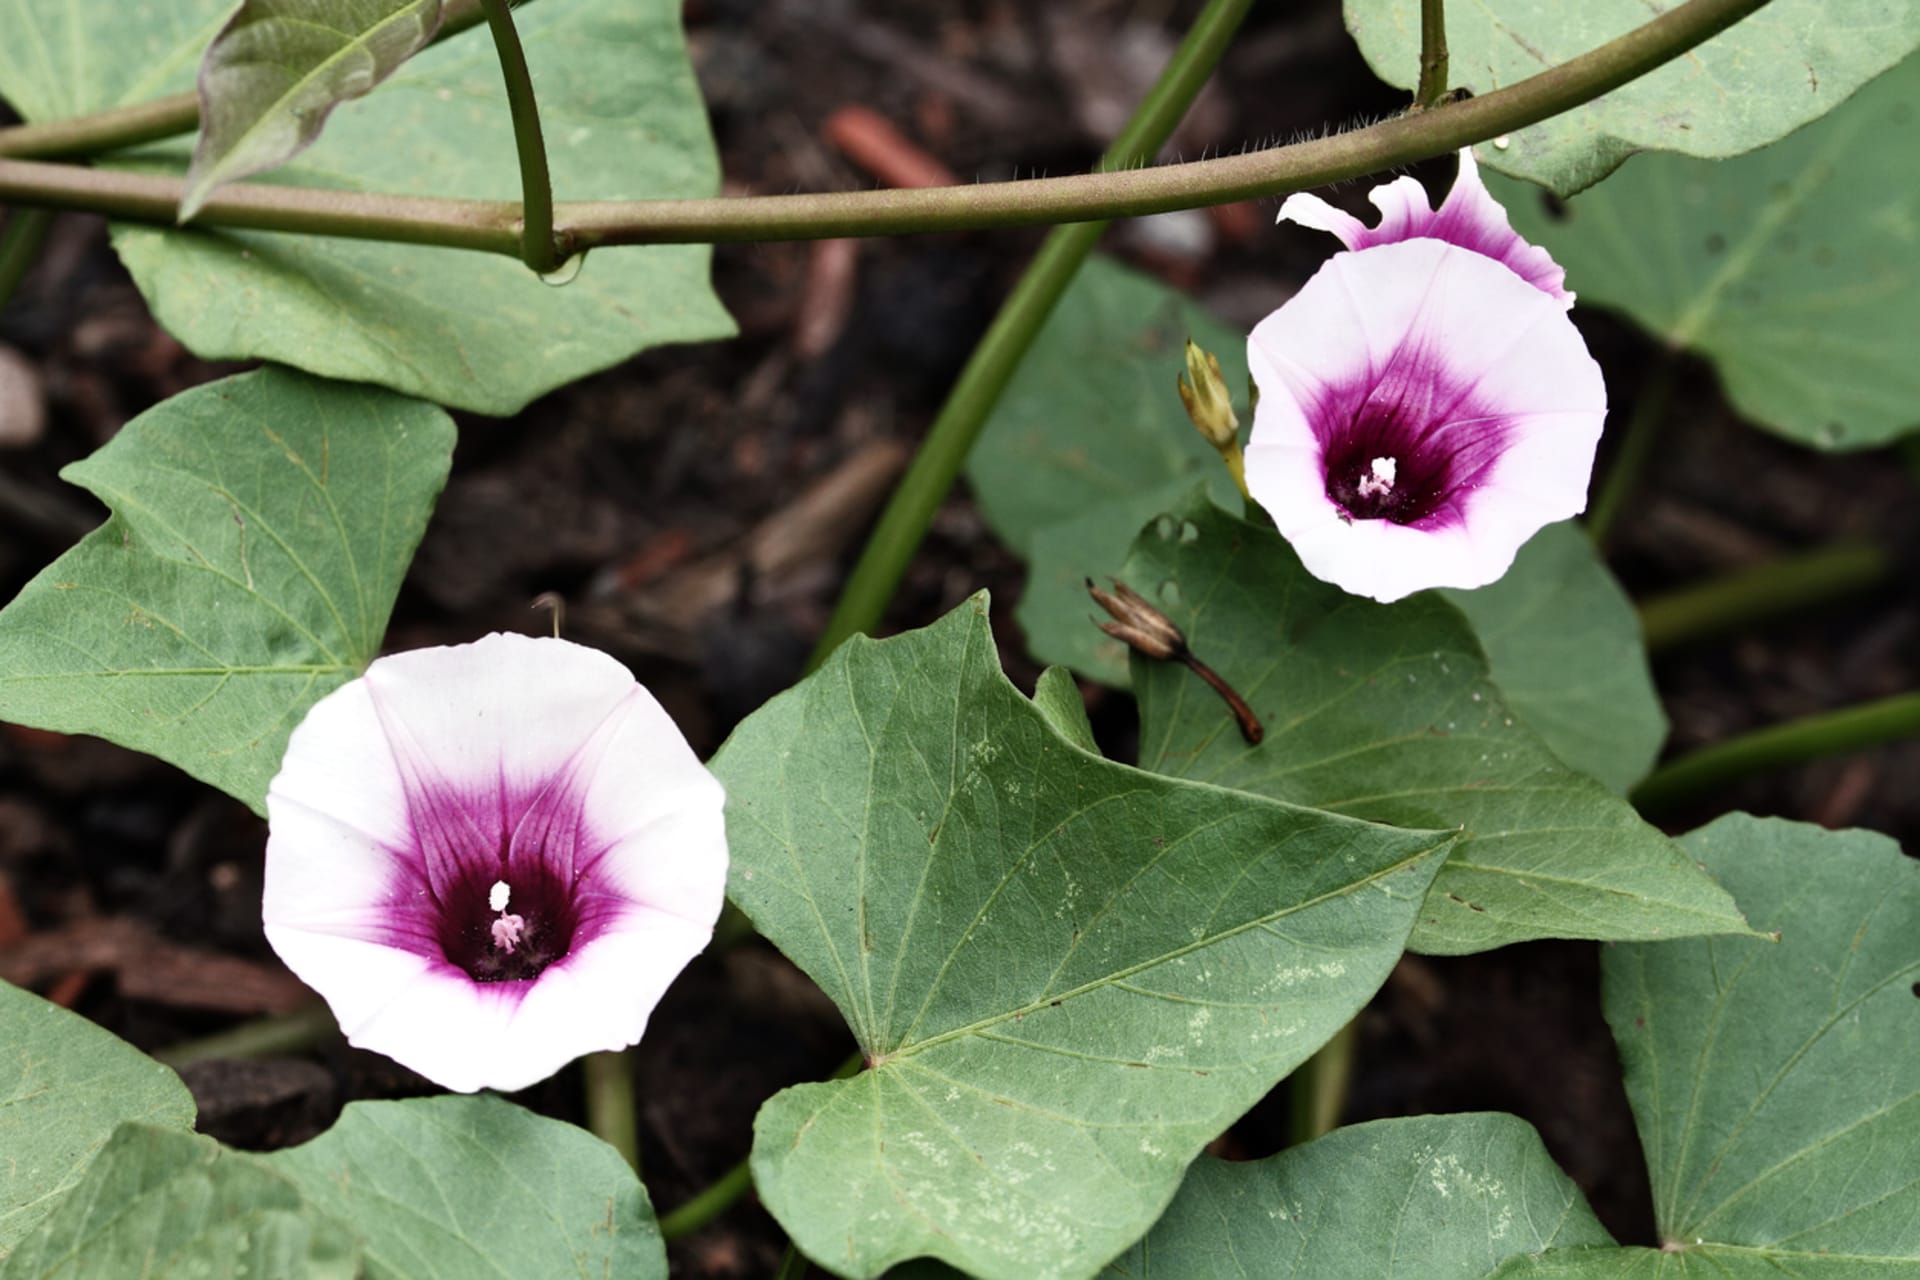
x: 1204, y: 391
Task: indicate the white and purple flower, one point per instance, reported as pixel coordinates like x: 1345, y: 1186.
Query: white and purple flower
x: 492, y: 858
x: 1425, y: 404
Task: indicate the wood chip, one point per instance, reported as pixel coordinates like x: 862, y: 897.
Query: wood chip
x: 149, y: 967
x: 874, y: 143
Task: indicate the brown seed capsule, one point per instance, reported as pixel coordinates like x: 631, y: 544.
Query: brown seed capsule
x: 1152, y: 634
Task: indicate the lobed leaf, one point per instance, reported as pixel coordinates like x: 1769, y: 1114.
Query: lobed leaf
x: 1425, y: 1198
x: 452, y: 1188
x: 1385, y: 712
x: 1775, y: 1085
x: 1563, y: 642
x: 1795, y: 270
x: 261, y: 527
x: 1066, y: 975
x: 1058, y: 698
x: 279, y: 68
x: 623, y: 120
x: 1791, y: 62
x: 64, y: 1086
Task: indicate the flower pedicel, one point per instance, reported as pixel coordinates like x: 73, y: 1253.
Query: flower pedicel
x: 1425, y: 404
x: 492, y: 858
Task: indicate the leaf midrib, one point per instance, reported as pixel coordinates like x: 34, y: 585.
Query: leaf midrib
x: 908, y: 1051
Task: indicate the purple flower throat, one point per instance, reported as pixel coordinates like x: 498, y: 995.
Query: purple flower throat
x: 1406, y: 445
x: 532, y: 928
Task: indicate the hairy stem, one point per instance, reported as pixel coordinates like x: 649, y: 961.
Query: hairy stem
x: 904, y: 522
x: 20, y: 241
x: 1433, y: 54
x: 1777, y: 588
x: 1810, y: 738
x: 610, y: 1111
x: 1630, y: 460
x: 492, y: 225
x: 538, y: 248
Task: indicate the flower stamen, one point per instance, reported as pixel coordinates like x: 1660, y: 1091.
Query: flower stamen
x: 507, y: 929
x: 1380, y: 482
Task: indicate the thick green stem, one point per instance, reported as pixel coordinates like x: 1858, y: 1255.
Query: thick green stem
x: 113, y: 130
x: 904, y: 523
x: 1770, y: 590
x: 1643, y: 429
x: 1319, y: 1087
x: 708, y: 1204
x: 20, y: 241
x: 264, y: 1037
x: 1433, y: 54
x: 610, y: 1112
x: 1811, y: 738
x: 538, y: 248
x: 793, y: 1264
x: 491, y: 225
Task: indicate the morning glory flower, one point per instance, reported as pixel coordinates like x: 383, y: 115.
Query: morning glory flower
x: 1425, y: 405
x: 1469, y: 217
x: 492, y: 858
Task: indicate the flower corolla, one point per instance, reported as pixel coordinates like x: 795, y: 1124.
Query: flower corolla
x: 1425, y: 404
x: 492, y: 858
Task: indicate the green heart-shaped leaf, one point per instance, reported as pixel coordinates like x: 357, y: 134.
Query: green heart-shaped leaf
x: 260, y: 530
x: 1066, y: 975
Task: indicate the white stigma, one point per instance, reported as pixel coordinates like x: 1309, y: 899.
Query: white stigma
x: 499, y: 896
x: 1381, y: 481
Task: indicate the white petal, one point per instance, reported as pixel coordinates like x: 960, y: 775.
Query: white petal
x: 600, y: 997
x: 456, y: 1032
x: 506, y: 708
x: 1311, y: 211
x: 1387, y: 562
x: 675, y: 864
x: 357, y: 979
x: 1404, y: 210
x: 337, y: 764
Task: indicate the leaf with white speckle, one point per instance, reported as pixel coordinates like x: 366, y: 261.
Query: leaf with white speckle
x: 1066, y: 975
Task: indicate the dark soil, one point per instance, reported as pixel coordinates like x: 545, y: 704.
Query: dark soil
x: 636, y: 494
